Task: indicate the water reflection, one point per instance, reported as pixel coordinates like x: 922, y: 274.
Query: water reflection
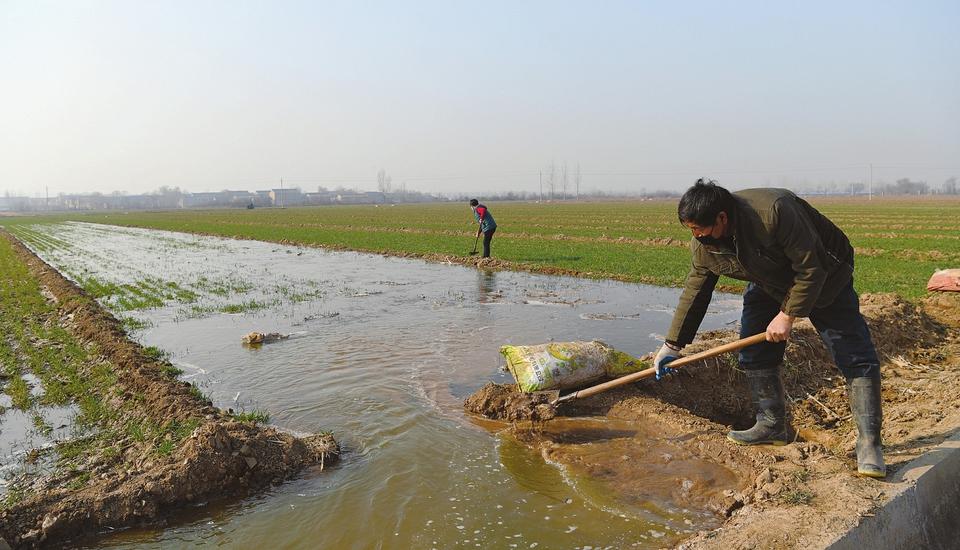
x: 488, y: 291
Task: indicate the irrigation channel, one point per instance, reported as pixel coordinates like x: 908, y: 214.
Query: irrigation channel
x: 381, y: 352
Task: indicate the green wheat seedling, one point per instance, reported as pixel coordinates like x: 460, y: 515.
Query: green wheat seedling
x: 255, y: 416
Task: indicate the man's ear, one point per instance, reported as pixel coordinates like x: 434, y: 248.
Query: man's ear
x: 722, y: 217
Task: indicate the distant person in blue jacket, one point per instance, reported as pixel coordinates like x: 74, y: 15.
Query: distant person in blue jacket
x: 487, y: 226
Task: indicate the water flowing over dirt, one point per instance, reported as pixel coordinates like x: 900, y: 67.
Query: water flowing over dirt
x: 222, y: 458
x: 800, y: 495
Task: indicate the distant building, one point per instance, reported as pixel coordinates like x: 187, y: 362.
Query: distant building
x: 95, y: 201
x: 237, y: 198
x: 199, y: 200
x: 286, y: 197
x: 376, y: 197
x: 353, y: 198
x: 138, y: 202
x: 14, y: 204
x: 262, y: 198
x: 321, y: 197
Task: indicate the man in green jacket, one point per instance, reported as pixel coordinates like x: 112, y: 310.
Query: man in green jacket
x: 797, y: 264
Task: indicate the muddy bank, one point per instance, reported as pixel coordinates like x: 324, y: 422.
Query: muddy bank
x: 803, y: 494
x: 130, y: 483
x: 716, y: 388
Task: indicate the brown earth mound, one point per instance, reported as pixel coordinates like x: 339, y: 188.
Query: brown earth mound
x: 943, y: 307
x: 221, y: 458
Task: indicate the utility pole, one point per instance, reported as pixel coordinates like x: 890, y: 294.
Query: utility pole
x: 541, y: 186
x: 870, y: 192
x: 281, y: 192
x: 47, y: 189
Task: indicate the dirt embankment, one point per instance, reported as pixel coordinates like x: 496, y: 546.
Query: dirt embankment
x: 803, y: 494
x: 133, y: 484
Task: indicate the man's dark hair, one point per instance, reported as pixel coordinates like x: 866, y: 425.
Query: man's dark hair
x: 474, y: 202
x: 702, y: 202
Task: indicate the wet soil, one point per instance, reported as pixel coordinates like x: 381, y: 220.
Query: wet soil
x: 800, y: 495
x: 221, y: 459
x: 504, y: 402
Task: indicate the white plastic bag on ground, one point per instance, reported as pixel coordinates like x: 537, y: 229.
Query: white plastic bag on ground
x: 565, y: 365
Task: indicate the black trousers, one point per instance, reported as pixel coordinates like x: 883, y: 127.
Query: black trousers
x: 487, y: 237
x: 840, y: 324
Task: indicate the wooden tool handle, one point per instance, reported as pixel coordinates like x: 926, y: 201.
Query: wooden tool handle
x: 713, y: 352
x: 647, y: 373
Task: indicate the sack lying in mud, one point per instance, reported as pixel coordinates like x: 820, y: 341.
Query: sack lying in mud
x: 565, y: 365
x: 263, y: 338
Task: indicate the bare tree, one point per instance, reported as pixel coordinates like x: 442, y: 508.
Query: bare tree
x: 906, y: 187
x: 552, y: 178
x: 564, y: 180
x: 950, y: 186
x: 383, y: 181
x: 576, y: 180
x: 168, y: 197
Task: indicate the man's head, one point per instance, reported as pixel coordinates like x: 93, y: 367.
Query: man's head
x: 706, y: 210
x: 474, y: 203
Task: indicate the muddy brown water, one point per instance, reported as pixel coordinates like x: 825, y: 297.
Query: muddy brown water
x: 382, y: 353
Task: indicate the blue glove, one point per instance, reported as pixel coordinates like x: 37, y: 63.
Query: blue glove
x: 666, y: 354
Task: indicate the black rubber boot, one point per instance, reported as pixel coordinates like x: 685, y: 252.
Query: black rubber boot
x: 771, y: 427
x: 864, y: 393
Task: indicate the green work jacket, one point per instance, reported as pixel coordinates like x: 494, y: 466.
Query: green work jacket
x: 781, y: 243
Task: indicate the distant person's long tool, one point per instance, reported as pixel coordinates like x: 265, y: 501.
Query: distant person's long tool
x: 555, y: 399
x: 474, y: 253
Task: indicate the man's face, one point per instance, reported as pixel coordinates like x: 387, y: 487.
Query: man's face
x: 718, y: 230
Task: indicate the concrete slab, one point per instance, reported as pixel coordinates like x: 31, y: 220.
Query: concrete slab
x: 924, y: 511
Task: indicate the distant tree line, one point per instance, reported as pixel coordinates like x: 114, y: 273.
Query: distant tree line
x: 590, y: 195
x: 902, y: 186
x: 551, y: 177
x: 559, y: 182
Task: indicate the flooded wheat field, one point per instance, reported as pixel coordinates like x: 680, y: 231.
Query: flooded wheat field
x: 381, y: 352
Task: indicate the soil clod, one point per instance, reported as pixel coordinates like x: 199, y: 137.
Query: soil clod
x: 257, y: 338
x: 505, y: 402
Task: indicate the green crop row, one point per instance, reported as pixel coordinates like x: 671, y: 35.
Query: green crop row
x: 899, y: 242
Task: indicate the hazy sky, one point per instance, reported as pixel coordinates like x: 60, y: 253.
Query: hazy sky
x: 466, y: 97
